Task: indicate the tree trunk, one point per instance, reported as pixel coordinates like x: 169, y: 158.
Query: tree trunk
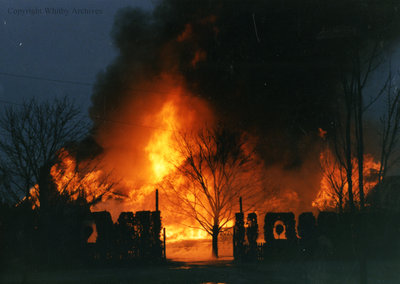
x: 340, y: 202
x: 361, y: 175
x: 215, y: 234
x: 360, y: 144
x: 349, y: 168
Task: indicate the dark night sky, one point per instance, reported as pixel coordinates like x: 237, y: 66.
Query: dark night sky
x: 77, y: 47
x: 271, y: 67
x: 63, y: 47
x: 56, y: 46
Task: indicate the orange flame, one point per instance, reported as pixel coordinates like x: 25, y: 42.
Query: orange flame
x: 160, y: 148
x: 140, y: 151
x: 86, y: 180
x: 334, y: 180
x: 74, y: 180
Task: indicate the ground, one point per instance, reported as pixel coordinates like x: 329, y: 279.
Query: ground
x: 222, y: 271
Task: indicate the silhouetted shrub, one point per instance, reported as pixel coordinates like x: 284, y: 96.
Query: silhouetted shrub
x: 239, y: 234
x: 307, y: 231
x: 252, y: 235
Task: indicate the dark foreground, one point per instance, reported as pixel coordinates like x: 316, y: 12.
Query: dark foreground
x: 216, y: 272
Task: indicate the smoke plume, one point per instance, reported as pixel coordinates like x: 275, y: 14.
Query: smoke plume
x: 271, y: 68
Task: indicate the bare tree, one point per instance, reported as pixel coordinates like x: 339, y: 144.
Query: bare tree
x: 46, y: 163
x: 335, y: 176
x: 217, y: 168
x: 338, y: 167
x: 390, y: 123
x: 334, y: 185
x: 363, y: 60
x: 30, y: 136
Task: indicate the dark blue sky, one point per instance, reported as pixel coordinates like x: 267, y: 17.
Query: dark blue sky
x: 37, y: 41
x: 59, y: 44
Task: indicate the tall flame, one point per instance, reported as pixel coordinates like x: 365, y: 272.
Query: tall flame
x: 142, y: 151
x: 160, y: 148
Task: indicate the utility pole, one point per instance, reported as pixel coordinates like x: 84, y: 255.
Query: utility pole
x: 156, y: 199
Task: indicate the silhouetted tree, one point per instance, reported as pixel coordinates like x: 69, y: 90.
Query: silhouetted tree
x: 353, y: 84
x: 390, y: 123
x: 37, y: 171
x: 348, y: 127
x: 31, y: 136
x: 335, y: 175
x: 363, y: 58
x: 218, y: 167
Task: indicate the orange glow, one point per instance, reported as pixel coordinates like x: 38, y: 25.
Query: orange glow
x: 84, y: 180
x: 142, y: 150
x: 160, y: 148
x: 335, y: 177
x: 282, y: 235
x: 140, y: 157
x: 93, y: 236
x: 33, y: 197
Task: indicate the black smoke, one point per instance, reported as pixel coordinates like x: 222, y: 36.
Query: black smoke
x: 270, y: 67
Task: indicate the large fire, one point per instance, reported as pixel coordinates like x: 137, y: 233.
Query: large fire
x: 139, y: 143
x: 141, y: 151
